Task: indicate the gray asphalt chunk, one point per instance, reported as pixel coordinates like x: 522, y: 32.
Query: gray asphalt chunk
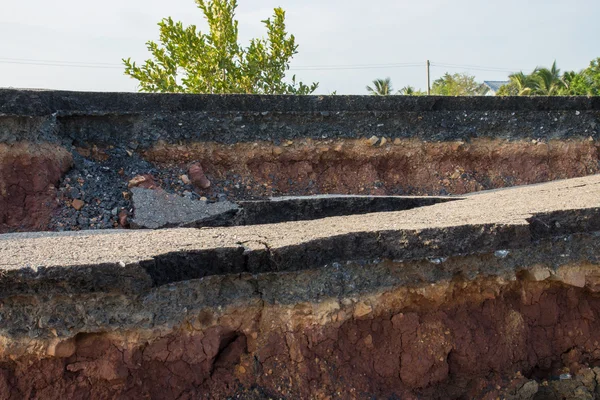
x: 155, y: 209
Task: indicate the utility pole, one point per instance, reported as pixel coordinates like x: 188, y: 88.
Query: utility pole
x: 428, y: 79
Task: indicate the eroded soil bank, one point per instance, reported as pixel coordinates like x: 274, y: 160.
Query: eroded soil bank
x: 249, y: 147
x: 384, y: 165
x: 494, y: 295
x: 96, y: 192
x: 509, y: 336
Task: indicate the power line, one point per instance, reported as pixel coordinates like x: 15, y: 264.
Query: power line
x: 103, y: 65
x: 82, y: 64
x: 58, y: 64
x: 476, y: 67
x: 355, y: 66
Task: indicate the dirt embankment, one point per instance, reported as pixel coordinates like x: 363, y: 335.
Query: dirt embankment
x: 384, y: 166
x: 484, y: 338
x: 258, y: 146
x: 493, y: 295
x: 29, y: 177
x: 37, y: 194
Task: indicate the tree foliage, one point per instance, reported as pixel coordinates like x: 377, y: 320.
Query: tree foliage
x: 410, y: 91
x: 381, y: 87
x: 189, y: 61
x: 549, y: 82
x: 458, y: 84
x: 448, y: 85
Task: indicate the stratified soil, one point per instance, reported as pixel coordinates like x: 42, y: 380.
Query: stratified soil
x: 29, y: 176
x: 99, y: 177
x: 411, y: 167
x: 481, y: 339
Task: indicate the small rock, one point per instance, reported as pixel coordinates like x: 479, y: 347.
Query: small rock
x: 383, y: 141
x: 74, y: 193
x: 501, y: 253
x: 338, y: 147
x: 571, y: 277
x: 528, y: 390
x: 185, y: 179
x: 143, y: 181
x: 587, y: 377
x: 83, y: 221
x: 397, y: 141
x: 538, y: 274
x: 277, y: 151
x: 77, y: 204
x: 197, y: 177
x: 123, y: 219
x: 361, y: 309
x: 372, y: 141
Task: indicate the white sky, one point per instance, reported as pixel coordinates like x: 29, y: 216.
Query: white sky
x: 506, y: 34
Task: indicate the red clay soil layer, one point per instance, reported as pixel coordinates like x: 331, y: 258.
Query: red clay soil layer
x: 412, y: 167
x: 29, y: 174
x: 467, y: 344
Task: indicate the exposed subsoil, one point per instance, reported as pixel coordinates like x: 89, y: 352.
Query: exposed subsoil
x: 39, y: 199
x: 29, y: 176
x: 484, y: 339
x: 399, y: 167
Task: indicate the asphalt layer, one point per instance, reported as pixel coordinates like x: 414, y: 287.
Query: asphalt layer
x: 522, y: 207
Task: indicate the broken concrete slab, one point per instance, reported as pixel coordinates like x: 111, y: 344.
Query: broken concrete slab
x: 360, y: 297
x: 158, y: 209
x: 502, y: 220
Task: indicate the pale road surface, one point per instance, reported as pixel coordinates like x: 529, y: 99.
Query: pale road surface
x: 505, y: 207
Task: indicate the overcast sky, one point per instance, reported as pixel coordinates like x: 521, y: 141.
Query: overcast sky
x: 501, y: 34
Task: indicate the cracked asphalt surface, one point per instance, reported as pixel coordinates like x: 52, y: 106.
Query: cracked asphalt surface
x: 510, y: 207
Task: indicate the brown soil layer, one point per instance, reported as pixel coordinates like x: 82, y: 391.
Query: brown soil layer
x: 29, y: 174
x: 395, y: 167
x: 453, y: 339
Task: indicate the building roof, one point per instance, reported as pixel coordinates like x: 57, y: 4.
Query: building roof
x: 495, y: 85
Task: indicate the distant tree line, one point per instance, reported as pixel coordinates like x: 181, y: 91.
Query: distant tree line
x: 540, y: 82
x: 550, y: 82
x: 459, y: 84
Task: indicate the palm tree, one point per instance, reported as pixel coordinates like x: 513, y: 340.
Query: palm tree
x: 568, y: 78
x: 407, y: 91
x: 382, y: 87
x: 550, y: 82
x: 525, y: 85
